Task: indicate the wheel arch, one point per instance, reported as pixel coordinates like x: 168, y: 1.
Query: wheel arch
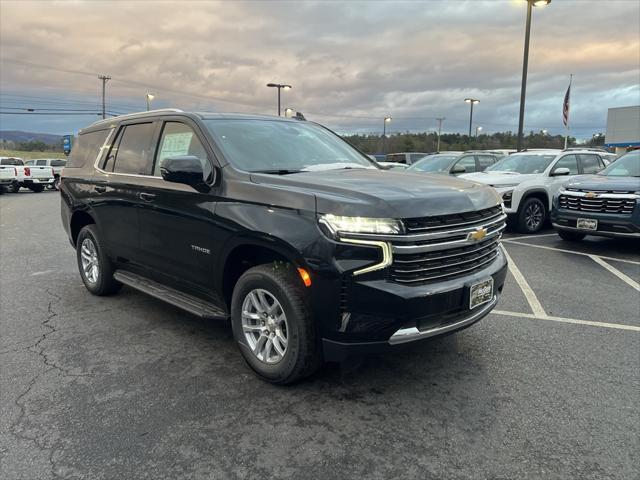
x: 79, y: 219
x: 538, y: 193
x: 242, y: 253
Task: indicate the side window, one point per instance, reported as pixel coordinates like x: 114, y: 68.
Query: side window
x: 29, y: 162
x: 41, y: 163
x: 398, y: 158
x: 87, y: 148
x: 485, y: 160
x: 134, y: 154
x: 590, y: 163
x: 179, y: 139
x: 58, y: 163
x: 415, y: 157
x: 568, y: 161
x: 111, y: 156
x: 468, y: 162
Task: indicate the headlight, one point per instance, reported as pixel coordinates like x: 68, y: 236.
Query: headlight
x: 335, y: 224
x: 507, y: 195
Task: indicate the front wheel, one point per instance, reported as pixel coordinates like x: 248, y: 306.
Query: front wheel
x: 531, y: 216
x: 273, y: 325
x: 571, y: 236
x: 15, y: 187
x: 94, y: 265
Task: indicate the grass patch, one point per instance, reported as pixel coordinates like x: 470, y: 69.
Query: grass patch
x: 29, y: 155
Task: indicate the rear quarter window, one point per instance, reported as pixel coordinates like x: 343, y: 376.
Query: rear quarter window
x: 87, y: 148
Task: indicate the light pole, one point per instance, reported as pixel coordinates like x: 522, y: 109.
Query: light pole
x: 472, y: 102
x: 525, y: 65
x: 478, y: 129
x: 384, y: 133
x: 150, y: 96
x: 440, y: 120
x: 279, y: 86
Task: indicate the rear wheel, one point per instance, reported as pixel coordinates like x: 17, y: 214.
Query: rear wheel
x: 95, y: 268
x: 531, y: 216
x: 571, y: 236
x: 14, y: 188
x: 36, y: 187
x: 273, y: 325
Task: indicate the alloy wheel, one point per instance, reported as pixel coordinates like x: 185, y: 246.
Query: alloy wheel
x: 533, y: 216
x: 264, y: 325
x: 89, y: 260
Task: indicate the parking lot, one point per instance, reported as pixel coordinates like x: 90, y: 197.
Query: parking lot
x: 127, y: 387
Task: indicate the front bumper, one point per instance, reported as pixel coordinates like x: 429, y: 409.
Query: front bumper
x: 609, y: 224
x: 382, y: 315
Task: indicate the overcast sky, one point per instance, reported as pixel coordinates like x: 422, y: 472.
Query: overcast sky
x: 350, y: 63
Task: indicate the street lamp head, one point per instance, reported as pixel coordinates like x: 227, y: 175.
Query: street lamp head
x: 479, y: 128
x: 387, y: 119
x: 150, y: 96
x: 471, y: 100
x: 288, y: 112
x: 272, y: 84
x: 539, y: 3
x: 286, y: 87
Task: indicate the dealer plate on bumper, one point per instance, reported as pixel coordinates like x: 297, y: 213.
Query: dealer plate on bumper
x: 481, y: 292
x: 587, y: 224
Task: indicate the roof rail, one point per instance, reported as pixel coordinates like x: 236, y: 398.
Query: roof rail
x: 136, y: 114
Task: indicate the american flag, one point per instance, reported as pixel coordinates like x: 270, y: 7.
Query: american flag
x: 565, y: 106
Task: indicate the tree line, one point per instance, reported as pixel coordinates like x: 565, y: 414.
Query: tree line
x: 428, y: 141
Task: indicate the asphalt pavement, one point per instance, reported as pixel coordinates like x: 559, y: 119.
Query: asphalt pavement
x: 127, y: 387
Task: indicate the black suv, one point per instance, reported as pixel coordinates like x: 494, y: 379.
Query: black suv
x: 312, y: 251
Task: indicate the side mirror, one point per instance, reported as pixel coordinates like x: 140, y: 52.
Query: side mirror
x: 560, y: 171
x: 186, y: 169
x: 458, y: 169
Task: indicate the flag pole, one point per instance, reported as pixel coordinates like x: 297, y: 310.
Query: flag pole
x: 566, y: 137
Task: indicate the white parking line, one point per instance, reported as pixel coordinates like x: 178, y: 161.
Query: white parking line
x: 532, y: 236
x: 571, y: 251
x: 534, y: 303
x: 617, y: 326
x: 626, y: 279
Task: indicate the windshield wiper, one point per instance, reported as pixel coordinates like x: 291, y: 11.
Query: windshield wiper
x: 281, y: 171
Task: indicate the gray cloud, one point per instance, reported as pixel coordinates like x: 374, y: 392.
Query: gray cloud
x: 347, y: 60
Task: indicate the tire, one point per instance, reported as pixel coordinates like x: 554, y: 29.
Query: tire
x: 15, y: 187
x: 36, y: 188
x: 56, y: 183
x: 571, y: 236
x: 282, y: 363
x: 532, y: 215
x: 88, y: 247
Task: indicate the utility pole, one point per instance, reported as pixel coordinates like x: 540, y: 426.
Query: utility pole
x: 440, y: 120
x: 105, y: 79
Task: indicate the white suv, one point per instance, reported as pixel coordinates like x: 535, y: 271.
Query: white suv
x: 528, y: 180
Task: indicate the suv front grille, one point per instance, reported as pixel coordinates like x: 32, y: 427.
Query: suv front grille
x: 599, y: 203
x: 441, y: 248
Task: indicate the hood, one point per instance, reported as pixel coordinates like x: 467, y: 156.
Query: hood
x: 385, y: 193
x: 603, y: 182
x: 497, y: 179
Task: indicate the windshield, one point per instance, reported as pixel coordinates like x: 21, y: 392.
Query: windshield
x: 433, y: 163
x: 274, y: 146
x: 626, y: 166
x: 522, y: 163
x: 11, y: 161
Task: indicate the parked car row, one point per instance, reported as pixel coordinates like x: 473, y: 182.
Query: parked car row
x: 36, y: 175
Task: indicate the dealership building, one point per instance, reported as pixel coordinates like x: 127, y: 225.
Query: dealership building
x: 623, y: 128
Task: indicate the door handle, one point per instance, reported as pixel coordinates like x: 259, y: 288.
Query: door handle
x: 147, y: 197
x: 100, y: 188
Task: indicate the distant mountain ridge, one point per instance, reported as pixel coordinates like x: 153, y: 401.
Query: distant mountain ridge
x: 20, y: 136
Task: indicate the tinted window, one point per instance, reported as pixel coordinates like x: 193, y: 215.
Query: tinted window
x: 41, y: 163
x: 626, y: 166
x: 416, y: 156
x: 485, y: 161
x: 179, y: 139
x: 397, y: 157
x: 11, y: 161
x: 87, y: 148
x: 590, y: 163
x: 467, y: 162
x: 134, y: 150
x: 568, y: 161
x: 58, y: 163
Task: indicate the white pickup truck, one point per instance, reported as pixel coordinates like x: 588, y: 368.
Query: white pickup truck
x: 8, y: 176
x: 56, y: 163
x: 32, y: 177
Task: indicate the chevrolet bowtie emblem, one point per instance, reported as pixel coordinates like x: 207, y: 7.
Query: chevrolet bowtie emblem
x: 591, y: 195
x: 478, y: 234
